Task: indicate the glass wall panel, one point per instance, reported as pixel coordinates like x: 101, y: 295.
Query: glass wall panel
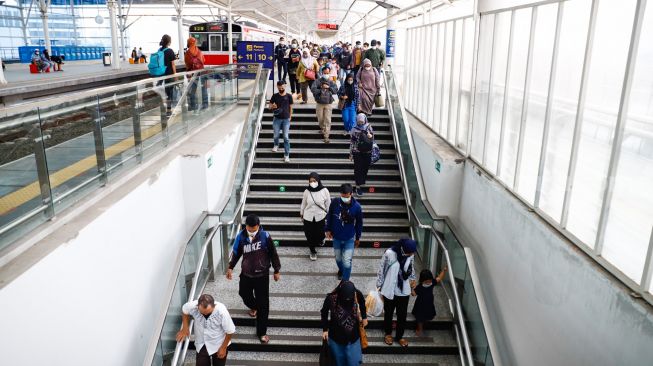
x: 498, y: 80
x: 438, y: 87
x: 446, y: 78
x: 430, y: 51
x: 455, y: 80
x: 466, y: 84
x: 482, y: 85
x: 519, y: 57
x: 564, y: 103
x: 606, y: 74
x: 537, y: 96
x: 630, y: 219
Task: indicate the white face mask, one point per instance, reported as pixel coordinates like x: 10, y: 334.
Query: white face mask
x: 345, y: 199
x: 252, y: 234
x: 368, y: 67
x: 313, y: 184
x: 350, y: 82
x: 294, y: 45
x: 426, y: 284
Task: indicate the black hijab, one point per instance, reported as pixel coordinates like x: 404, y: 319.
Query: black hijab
x: 349, y: 89
x: 319, y: 187
x: 404, y: 246
x: 343, y: 310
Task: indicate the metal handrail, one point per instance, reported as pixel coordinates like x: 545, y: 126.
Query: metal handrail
x: 182, y: 347
x: 411, y: 209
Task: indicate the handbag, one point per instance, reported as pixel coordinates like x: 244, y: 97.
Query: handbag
x: 309, y: 74
x: 325, y: 354
x: 341, y: 104
x: 378, y: 101
x: 361, y: 329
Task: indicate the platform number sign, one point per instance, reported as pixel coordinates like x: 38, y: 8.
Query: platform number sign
x: 252, y: 52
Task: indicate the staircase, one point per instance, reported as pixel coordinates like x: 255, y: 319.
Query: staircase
x: 275, y: 193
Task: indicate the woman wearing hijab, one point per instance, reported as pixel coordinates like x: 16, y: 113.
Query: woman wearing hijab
x: 313, y: 211
x: 360, y: 151
x: 349, y: 93
x: 342, y: 328
x: 369, y: 85
x: 306, y: 63
x: 395, y: 280
x: 194, y: 60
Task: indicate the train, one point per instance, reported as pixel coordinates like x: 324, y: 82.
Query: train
x: 212, y: 39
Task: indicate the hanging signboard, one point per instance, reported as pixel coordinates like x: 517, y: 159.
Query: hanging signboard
x: 390, y: 43
x: 326, y: 26
x: 251, y: 52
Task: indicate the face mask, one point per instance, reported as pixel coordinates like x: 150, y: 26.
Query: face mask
x: 350, y: 82
x: 294, y: 45
x: 252, y: 234
x: 313, y: 184
x: 345, y: 199
x: 281, y: 91
x: 426, y: 284
x: 368, y: 67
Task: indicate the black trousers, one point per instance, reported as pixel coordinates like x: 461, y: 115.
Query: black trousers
x: 202, y: 358
x: 294, y: 83
x: 314, y: 231
x: 400, y: 303
x: 281, y: 65
x: 255, y: 293
x: 362, y: 162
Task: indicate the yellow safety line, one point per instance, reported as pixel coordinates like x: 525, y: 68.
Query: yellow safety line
x: 32, y: 190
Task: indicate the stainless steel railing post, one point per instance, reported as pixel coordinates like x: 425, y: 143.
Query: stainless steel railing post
x: 137, y: 107
x: 100, y: 155
x: 42, y: 168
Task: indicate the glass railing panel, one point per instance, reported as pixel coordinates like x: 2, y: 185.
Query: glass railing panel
x: 89, y: 137
x: 24, y: 180
x: 181, y: 293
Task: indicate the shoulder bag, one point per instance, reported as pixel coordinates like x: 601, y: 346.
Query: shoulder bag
x: 361, y: 329
x: 309, y: 74
x: 316, y: 204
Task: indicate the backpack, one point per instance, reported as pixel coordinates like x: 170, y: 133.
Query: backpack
x: 324, y: 97
x: 365, y: 144
x: 196, y: 62
x: 157, y: 65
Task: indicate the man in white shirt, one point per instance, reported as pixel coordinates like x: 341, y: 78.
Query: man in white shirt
x: 213, y: 329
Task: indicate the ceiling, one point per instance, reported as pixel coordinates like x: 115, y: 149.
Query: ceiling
x: 306, y: 14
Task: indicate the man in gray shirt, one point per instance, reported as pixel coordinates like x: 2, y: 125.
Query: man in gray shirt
x: 213, y: 329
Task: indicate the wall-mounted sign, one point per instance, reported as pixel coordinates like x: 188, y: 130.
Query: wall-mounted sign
x: 327, y: 26
x: 251, y: 52
x: 390, y: 43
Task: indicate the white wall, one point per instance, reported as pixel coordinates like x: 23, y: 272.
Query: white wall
x: 96, y: 297
x: 549, y: 303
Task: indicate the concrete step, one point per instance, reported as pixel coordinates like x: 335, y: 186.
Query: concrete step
x: 308, y: 143
x: 295, y: 197
x: 279, y: 208
x: 375, y: 172
x: 304, y: 124
x: 278, y: 185
x: 243, y: 358
x: 321, y: 153
x: 342, y: 163
x: 369, y: 223
x: 315, y: 132
x: 293, y: 236
x: 310, y: 109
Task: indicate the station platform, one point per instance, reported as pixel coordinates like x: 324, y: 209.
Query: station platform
x: 77, y: 75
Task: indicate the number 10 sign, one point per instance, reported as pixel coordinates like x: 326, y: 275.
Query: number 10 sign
x: 251, y: 52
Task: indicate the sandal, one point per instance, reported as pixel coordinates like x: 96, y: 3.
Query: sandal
x: 252, y: 313
x: 388, y: 340
x: 264, y: 339
x: 403, y: 343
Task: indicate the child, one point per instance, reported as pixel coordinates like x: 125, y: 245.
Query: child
x: 335, y: 70
x: 424, y: 309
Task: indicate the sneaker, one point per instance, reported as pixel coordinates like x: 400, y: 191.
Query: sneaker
x: 326, y: 139
x: 286, y: 159
x: 313, y: 256
x: 275, y: 148
x: 359, y: 192
x: 339, y: 275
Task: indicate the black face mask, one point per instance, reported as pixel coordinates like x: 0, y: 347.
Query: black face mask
x: 281, y: 91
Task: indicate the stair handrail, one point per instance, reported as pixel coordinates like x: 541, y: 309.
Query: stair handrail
x: 458, y: 309
x: 182, y: 346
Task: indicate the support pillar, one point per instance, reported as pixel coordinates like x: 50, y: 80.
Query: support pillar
x: 43, y: 7
x: 390, y: 37
x: 287, y: 37
x: 365, y: 30
x: 230, y: 34
x: 74, y: 18
x: 121, y: 29
x: 3, y: 81
x: 115, y: 51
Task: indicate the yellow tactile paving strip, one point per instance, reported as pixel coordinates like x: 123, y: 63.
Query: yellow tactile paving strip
x: 19, y: 197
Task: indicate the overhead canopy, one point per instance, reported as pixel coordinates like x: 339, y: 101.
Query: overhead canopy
x: 307, y: 14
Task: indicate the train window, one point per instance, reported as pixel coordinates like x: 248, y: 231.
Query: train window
x: 236, y: 37
x: 202, y: 41
x: 216, y: 42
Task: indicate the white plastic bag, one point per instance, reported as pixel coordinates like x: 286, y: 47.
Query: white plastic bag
x: 374, y: 303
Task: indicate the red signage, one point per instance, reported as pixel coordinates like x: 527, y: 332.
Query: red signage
x: 377, y: 244
x: 327, y: 26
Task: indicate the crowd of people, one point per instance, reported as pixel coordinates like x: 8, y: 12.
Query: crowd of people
x: 44, y: 62
x: 351, y: 76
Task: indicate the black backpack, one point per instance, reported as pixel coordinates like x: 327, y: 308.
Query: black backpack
x: 365, y: 143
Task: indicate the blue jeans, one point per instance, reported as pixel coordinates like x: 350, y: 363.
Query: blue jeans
x: 349, y: 117
x: 277, y: 125
x: 346, y: 354
x: 192, y: 93
x: 344, y: 252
